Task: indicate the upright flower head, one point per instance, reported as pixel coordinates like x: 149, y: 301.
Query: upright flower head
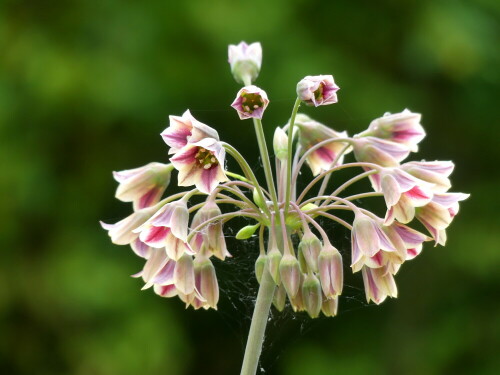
x: 250, y: 102
x: 186, y: 129
x: 317, y: 90
x: 144, y: 186
x: 201, y: 164
x: 245, y: 60
x: 401, y: 128
x: 311, y: 133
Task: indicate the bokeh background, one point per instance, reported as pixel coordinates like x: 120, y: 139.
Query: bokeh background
x: 87, y: 86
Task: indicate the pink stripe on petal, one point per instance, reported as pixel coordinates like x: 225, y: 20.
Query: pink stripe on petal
x: 154, y: 236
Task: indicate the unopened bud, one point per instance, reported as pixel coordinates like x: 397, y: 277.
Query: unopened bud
x: 274, y: 258
x: 330, y: 306
x: 280, y: 144
x: 260, y: 264
x: 258, y: 200
x: 246, y: 232
x: 279, y: 298
x: 297, y: 302
x: 290, y: 274
x: 310, y: 245
x: 206, y: 281
x: 331, y: 273
x: 184, y: 274
x: 245, y: 60
x: 311, y: 293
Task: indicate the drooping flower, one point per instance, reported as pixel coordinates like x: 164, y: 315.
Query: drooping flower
x: 438, y: 214
x: 311, y: 295
x: 245, y: 61
x: 379, y: 284
x: 434, y: 172
x: 403, y: 128
x: 411, y: 238
x: 122, y: 232
x: 206, y: 281
x: 144, y: 186
x: 186, y: 129
x: 250, y: 102
x: 331, y: 273
x: 201, y: 164
x: 167, y: 228
x: 317, y: 90
x: 311, y: 133
x: 379, y: 151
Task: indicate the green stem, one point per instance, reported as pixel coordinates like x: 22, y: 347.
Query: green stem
x: 288, y: 185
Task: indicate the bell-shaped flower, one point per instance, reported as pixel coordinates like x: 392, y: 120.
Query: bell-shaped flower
x: 245, y: 60
x: 250, y: 102
x: 140, y: 248
x: 402, y: 193
x: 211, y: 237
x: 331, y: 273
x: 434, y: 172
x: 168, y: 228
x: 368, y: 242
x: 186, y: 129
x: 201, y: 164
x: 311, y: 295
x: 379, y: 151
x: 317, y: 90
x: 183, y: 275
x: 438, y: 214
x: 403, y: 128
x: 206, y: 280
x: 158, y: 269
x: 290, y: 274
x: 330, y: 306
x: 311, y: 133
x: 379, y: 284
x: 122, y: 232
x: 144, y: 186
x: 412, y: 239
x: 310, y: 247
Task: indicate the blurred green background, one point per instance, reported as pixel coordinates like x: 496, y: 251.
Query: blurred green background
x: 87, y: 86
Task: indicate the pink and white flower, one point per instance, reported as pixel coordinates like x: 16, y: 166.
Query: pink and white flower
x: 379, y: 284
x: 168, y: 229
x: 245, y: 60
x: 201, y: 164
x: 122, y: 232
x: 311, y: 133
x: 186, y: 129
x: 144, y: 186
x: 434, y: 172
x: 403, y: 128
x: 379, y: 151
x: 317, y: 90
x: 250, y: 102
x: 438, y: 214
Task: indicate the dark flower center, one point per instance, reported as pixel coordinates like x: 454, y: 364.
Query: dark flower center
x: 206, y: 158
x: 251, y: 102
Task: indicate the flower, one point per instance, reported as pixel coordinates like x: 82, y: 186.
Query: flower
x: 250, y: 102
x: 330, y: 271
x: 438, y: 214
x: 280, y: 144
x: 317, y: 90
x: 434, y: 172
x: 201, y: 164
x: 411, y: 238
x: 311, y: 133
x: 122, y: 232
x: 379, y: 151
x: 402, y: 193
x: 379, y: 284
x: 245, y: 60
x: 144, y: 186
x: 167, y: 228
x: 184, y: 130
x: 403, y: 128
x: 206, y: 281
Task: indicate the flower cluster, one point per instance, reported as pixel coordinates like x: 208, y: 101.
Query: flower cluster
x: 178, y: 239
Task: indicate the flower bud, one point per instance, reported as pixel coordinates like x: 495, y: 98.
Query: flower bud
x: 184, y: 274
x: 212, y: 234
x: 246, y: 232
x: 273, y: 260
x: 279, y: 298
x: 144, y: 186
x: 245, y: 60
x: 260, y: 265
x: 331, y: 273
x: 310, y: 246
x: 206, y: 280
x: 330, y: 306
x: 297, y: 302
x: 317, y: 90
x: 257, y: 199
x: 311, y: 294
x: 290, y: 274
x: 250, y: 102
x: 280, y: 144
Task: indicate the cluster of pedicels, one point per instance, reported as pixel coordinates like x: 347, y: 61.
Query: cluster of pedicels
x: 178, y: 241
